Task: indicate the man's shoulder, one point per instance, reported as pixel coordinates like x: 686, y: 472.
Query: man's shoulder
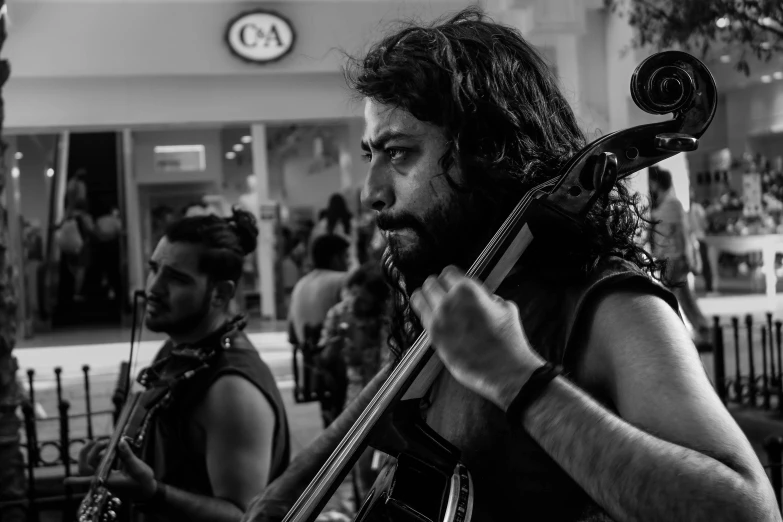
x: 333, y: 275
x: 237, y: 399
x: 325, y: 278
x: 241, y: 364
x: 242, y: 354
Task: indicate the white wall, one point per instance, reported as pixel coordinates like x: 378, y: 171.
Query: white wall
x: 753, y: 111
x: 100, y: 39
x: 37, y: 103
x: 97, y: 64
x: 593, y: 71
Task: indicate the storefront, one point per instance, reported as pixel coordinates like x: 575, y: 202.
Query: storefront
x: 737, y: 175
x: 243, y: 102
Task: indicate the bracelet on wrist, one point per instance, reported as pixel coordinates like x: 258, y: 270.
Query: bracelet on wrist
x: 538, y: 380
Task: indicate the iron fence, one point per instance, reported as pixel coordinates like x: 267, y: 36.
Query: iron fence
x: 757, y: 373
x: 748, y: 370
x: 49, y: 460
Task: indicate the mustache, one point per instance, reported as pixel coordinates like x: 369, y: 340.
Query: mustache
x: 402, y: 220
x: 152, y: 300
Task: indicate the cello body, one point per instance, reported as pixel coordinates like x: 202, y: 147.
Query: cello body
x: 424, y: 457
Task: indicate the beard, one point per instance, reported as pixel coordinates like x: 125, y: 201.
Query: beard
x: 172, y: 323
x: 450, y: 235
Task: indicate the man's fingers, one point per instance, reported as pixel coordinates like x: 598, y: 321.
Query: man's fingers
x: 433, y: 291
x: 90, y: 456
x: 94, y: 454
x: 129, y: 460
x: 84, y: 455
x: 450, y: 276
x: 421, y: 307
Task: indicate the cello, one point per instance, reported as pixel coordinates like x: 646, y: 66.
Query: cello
x: 427, y: 482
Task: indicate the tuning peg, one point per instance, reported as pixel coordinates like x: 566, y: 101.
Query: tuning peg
x: 115, y: 502
x: 675, y: 142
x: 603, y: 173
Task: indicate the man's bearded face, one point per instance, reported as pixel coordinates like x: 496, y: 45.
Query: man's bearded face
x: 178, y: 293
x: 426, y: 222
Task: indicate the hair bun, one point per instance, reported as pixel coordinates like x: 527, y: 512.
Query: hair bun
x: 244, y: 224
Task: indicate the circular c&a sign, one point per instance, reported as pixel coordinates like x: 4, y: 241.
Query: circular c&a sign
x: 260, y: 36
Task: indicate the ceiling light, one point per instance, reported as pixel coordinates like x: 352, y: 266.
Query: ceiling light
x: 238, y: 147
x: 15, y: 172
x: 778, y: 75
x: 246, y: 139
x: 766, y: 45
x: 725, y: 58
x: 231, y: 155
x: 722, y: 22
x: 18, y: 155
x: 49, y: 172
x: 766, y: 78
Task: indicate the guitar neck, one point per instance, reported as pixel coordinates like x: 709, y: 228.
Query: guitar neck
x: 104, y: 468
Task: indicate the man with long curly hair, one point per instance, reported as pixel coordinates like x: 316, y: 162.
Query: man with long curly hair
x: 462, y: 118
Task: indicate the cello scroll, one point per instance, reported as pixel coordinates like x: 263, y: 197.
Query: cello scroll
x: 667, y: 82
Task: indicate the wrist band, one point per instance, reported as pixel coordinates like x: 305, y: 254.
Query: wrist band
x: 538, y: 380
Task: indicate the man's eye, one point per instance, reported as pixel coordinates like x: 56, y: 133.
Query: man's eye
x: 366, y: 157
x: 395, y: 153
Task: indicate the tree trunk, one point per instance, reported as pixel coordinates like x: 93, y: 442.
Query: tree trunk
x: 12, y: 478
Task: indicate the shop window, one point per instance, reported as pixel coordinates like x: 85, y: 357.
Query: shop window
x: 180, y: 158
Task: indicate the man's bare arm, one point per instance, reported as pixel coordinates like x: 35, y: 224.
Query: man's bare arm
x: 281, y: 494
x: 239, y: 426
x: 676, y: 453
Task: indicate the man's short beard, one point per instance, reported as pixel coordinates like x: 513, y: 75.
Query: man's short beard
x: 186, y: 324
x: 451, y: 236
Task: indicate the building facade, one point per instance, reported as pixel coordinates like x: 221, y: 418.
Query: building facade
x: 236, y: 99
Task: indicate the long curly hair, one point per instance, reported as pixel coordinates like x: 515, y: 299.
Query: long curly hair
x: 508, y: 128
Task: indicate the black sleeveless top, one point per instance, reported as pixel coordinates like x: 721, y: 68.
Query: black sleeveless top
x: 168, y: 447
x: 513, y: 478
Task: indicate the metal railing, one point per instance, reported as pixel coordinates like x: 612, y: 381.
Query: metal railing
x: 756, y: 376
x: 49, y: 460
x: 748, y: 370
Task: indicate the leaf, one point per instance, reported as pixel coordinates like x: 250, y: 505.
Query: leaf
x: 692, y: 25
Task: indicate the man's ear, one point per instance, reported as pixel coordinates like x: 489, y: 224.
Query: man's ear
x: 223, y: 293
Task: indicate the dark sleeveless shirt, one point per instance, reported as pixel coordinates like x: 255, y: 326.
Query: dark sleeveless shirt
x: 513, y: 478
x: 169, y: 449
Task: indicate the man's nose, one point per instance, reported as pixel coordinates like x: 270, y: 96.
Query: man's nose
x: 154, y: 286
x: 378, y: 191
